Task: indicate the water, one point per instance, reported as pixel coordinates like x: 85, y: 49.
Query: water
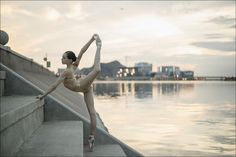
x: 170, y: 118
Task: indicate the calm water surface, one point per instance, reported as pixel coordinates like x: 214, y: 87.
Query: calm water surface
x: 170, y: 118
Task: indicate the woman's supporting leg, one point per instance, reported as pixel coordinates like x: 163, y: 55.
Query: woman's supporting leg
x: 88, y: 80
x: 88, y: 98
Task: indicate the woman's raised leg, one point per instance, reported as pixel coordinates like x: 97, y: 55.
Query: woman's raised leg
x: 88, y: 80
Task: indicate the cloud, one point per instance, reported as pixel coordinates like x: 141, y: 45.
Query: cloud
x: 227, y: 46
x: 52, y: 14
x: 11, y: 10
x: 222, y: 20
x: 152, y: 31
x: 233, y: 26
x: 214, y: 36
x: 76, y: 11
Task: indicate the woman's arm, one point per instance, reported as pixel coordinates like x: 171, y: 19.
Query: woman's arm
x: 52, y: 87
x: 84, y: 49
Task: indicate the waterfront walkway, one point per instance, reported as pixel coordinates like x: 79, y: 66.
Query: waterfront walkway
x: 55, y: 126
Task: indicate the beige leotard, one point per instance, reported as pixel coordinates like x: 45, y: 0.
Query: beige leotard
x: 71, y: 83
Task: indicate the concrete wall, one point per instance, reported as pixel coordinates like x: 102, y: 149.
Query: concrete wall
x: 17, y: 61
x: 16, y: 86
x: 2, y: 82
x: 18, y: 125
x: 40, y: 77
x: 55, y: 109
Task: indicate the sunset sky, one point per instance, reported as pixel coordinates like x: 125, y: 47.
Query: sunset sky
x: 194, y: 35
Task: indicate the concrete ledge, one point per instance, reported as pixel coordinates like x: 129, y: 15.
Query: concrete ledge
x: 105, y: 151
x: 2, y: 82
x: 59, y: 108
x: 16, y: 84
x: 58, y: 138
x: 15, y: 60
x: 15, y: 108
x: 2, y: 75
x: 18, y: 125
x: 102, y: 136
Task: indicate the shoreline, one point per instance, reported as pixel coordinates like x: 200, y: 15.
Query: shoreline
x: 161, y: 81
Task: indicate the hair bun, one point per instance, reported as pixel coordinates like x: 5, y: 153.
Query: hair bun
x: 71, y: 55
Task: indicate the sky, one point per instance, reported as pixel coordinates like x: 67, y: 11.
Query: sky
x: 194, y: 35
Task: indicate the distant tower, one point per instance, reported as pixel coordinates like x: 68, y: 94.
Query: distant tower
x: 4, y: 38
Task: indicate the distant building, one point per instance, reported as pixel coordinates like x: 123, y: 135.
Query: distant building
x: 187, y: 75
x: 143, y: 69
x: 172, y: 73
x: 127, y: 72
x: 160, y: 76
x: 168, y: 72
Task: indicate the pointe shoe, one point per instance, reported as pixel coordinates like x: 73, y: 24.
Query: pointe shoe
x: 91, y: 141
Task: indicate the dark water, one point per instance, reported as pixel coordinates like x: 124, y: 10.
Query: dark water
x: 170, y: 118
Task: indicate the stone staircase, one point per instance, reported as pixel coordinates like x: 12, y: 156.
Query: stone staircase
x: 55, y: 126
x: 20, y: 117
x: 59, y: 138
x: 24, y: 133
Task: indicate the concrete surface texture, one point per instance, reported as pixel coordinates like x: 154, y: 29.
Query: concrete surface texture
x: 53, y: 138
x: 2, y: 82
x: 105, y: 151
x: 61, y: 138
x: 27, y: 78
x: 14, y: 102
x: 20, y: 117
x: 42, y: 78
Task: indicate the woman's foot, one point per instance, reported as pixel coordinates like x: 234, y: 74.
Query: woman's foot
x: 98, y: 42
x: 95, y: 36
x: 91, y: 141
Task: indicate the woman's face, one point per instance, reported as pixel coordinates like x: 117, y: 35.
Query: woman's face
x: 65, y: 60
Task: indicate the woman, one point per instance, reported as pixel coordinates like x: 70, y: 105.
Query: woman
x: 82, y: 84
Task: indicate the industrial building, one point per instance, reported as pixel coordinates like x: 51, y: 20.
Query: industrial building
x: 144, y: 69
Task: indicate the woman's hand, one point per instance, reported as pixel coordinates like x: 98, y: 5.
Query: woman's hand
x: 98, y: 40
x: 40, y: 97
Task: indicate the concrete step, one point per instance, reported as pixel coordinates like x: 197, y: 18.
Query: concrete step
x: 111, y: 150
x: 58, y: 138
x: 2, y: 82
x: 20, y: 117
x: 16, y: 107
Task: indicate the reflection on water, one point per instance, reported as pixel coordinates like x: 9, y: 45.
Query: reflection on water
x: 141, y: 90
x: 170, y: 118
